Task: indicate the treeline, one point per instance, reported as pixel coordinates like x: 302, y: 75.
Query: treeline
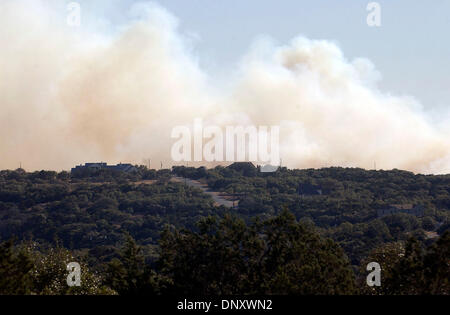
x: 85, y: 174
x: 89, y: 213
x: 28, y: 269
x: 346, y: 207
x: 411, y: 268
x: 227, y: 257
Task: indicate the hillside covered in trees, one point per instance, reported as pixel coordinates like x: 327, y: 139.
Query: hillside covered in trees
x: 292, y: 231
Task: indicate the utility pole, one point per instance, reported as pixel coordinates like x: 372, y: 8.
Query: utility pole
x: 147, y: 163
x: 232, y: 196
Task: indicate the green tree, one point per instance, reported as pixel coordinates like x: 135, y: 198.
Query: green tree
x: 49, y: 275
x: 412, y: 268
x: 276, y: 256
x: 15, y: 267
x: 129, y: 275
x: 436, y: 270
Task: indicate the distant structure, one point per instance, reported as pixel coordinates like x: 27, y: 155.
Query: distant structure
x: 306, y: 189
x: 127, y: 168
x: 246, y: 168
x: 416, y: 210
x: 239, y: 166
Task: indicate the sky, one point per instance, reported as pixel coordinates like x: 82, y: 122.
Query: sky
x: 115, y: 88
x: 410, y: 48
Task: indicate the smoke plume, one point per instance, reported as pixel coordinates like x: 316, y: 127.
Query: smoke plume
x: 72, y: 95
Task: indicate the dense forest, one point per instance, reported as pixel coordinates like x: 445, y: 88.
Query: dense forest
x: 309, y: 231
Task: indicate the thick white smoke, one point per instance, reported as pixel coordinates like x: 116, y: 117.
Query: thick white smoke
x: 74, y: 95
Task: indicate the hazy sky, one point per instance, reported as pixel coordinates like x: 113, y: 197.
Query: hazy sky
x: 411, y: 48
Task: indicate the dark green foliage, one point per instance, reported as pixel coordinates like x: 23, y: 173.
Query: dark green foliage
x: 86, y: 216
x: 129, y: 275
x: 412, y: 268
x: 26, y: 270
x: 342, y: 202
x: 90, y: 213
x: 15, y: 267
x: 277, y: 256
